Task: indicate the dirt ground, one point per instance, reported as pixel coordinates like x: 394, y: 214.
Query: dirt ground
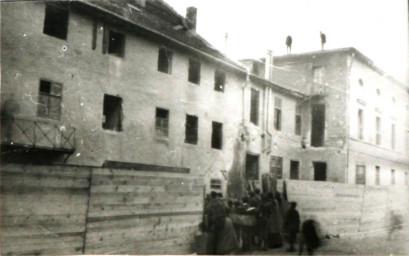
x: 398, y: 244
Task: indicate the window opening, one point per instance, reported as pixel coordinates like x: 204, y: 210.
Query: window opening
x: 191, y: 129
x: 162, y: 122
x: 194, y: 71
x: 113, y: 43
x: 112, y: 113
x: 294, y: 170
x: 216, y: 184
x: 254, y: 106
x: 56, y: 22
x: 276, y: 166
x: 320, y: 171
x: 360, y: 124
x: 298, y: 120
x: 277, y: 113
x: 49, y: 100
x: 377, y: 175
x: 392, y: 177
x: 252, y: 167
x: 219, y: 81
x: 360, y: 176
x: 318, y: 73
x: 317, y: 125
x: 217, y: 135
x: 165, y: 60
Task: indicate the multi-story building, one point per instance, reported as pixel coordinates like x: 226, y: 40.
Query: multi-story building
x: 357, y: 117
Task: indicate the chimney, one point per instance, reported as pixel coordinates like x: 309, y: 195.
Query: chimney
x: 191, y: 15
x: 269, y: 65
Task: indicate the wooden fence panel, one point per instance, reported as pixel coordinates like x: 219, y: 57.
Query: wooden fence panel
x: 141, y: 212
x: 43, y: 209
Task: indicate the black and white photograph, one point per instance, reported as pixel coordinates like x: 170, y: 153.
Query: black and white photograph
x: 204, y: 127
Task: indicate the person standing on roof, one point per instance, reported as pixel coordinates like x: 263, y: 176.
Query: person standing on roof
x: 289, y: 42
x: 323, y: 40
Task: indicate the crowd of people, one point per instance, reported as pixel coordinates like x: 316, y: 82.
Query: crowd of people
x: 257, y: 222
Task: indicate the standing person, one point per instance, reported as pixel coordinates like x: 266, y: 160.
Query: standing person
x: 274, y: 237
x: 292, y: 225
x: 323, y: 40
x: 264, y: 222
x: 215, y: 213
x: 309, y: 237
x: 288, y: 42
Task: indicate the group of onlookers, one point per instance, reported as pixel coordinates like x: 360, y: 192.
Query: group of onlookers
x: 257, y: 222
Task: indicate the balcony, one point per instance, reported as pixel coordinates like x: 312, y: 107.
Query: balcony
x: 37, y: 135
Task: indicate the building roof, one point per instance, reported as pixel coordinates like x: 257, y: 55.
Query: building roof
x: 158, y: 20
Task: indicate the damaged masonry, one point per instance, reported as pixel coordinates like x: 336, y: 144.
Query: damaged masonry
x: 118, y: 118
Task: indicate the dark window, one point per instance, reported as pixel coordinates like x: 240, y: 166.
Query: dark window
x: 215, y: 184
x: 317, y: 125
x: 252, y: 171
x: 254, y: 106
x: 320, y: 171
x: 49, y: 100
x: 165, y: 60
x: 194, y: 71
x: 112, y: 113
x: 298, y: 120
x: 162, y: 122
x: 217, y: 135
x: 294, y: 170
x: 276, y: 166
x: 219, y: 81
x: 360, y: 176
x: 377, y: 175
x: 378, y: 131
x: 360, y: 124
x: 56, y: 22
x: 113, y: 43
x: 392, y: 177
x: 393, y: 134
x: 191, y: 129
x: 277, y: 113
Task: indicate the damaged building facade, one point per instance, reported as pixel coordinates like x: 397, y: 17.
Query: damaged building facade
x: 357, y: 117
x: 115, y: 114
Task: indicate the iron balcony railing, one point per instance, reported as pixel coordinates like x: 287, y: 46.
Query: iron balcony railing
x: 37, y: 134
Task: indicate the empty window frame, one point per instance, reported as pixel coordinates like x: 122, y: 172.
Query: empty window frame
x: 360, y: 175
x: 217, y: 135
x: 254, y: 106
x: 191, y: 129
x: 360, y: 124
x: 377, y: 175
x: 165, y: 60
x: 317, y: 125
x: 393, y: 181
x: 320, y: 171
x: 219, y: 80
x: 56, y: 22
x: 112, y: 113
x: 277, y: 113
x: 294, y: 170
x: 216, y: 184
x: 298, y: 120
x: 252, y: 167
x: 393, y: 134
x: 113, y: 42
x: 194, y: 71
x: 49, y: 100
x: 162, y: 122
x: 276, y: 166
x: 318, y: 74
x: 378, y: 131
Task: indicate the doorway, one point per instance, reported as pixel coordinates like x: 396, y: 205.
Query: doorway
x: 320, y: 171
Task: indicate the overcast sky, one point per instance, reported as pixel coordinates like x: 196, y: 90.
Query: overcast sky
x: 377, y: 28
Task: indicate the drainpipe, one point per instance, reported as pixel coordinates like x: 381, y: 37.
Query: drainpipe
x: 347, y: 114
x: 246, y: 84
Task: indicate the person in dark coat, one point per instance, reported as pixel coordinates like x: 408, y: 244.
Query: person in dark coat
x: 289, y: 42
x: 292, y: 225
x: 309, y: 237
x: 215, y: 213
x: 274, y: 237
x: 323, y: 40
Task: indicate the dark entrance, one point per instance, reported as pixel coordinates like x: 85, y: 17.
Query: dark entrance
x: 251, y: 167
x: 317, y: 125
x: 320, y: 171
